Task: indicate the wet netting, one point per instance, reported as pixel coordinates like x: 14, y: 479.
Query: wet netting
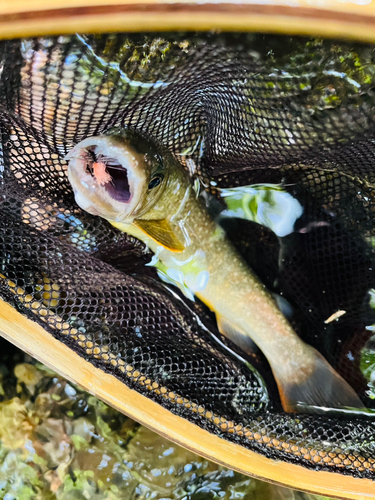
x: 235, y: 110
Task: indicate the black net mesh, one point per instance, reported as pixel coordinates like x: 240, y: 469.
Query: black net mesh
x: 235, y: 110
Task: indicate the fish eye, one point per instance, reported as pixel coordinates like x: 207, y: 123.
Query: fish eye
x: 155, y: 181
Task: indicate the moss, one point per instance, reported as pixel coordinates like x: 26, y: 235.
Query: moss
x: 329, y: 73
x: 143, y: 58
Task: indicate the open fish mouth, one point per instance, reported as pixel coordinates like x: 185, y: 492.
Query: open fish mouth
x: 110, y: 174
x: 107, y: 176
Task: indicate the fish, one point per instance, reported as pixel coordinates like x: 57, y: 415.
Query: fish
x: 142, y: 190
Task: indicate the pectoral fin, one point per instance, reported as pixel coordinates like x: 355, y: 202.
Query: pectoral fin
x: 236, y: 335
x: 162, y: 232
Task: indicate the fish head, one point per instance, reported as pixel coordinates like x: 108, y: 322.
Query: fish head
x: 117, y: 176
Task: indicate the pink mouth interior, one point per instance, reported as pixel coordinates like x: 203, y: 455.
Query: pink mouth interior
x: 118, y: 187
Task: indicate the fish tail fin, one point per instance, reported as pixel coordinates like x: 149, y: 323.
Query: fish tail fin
x: 304, y: 388
x: 323, y: 387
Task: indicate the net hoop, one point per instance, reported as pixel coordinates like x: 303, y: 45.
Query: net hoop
x: 33, y: 339
x: 331, y: 19
x: 335, y: 19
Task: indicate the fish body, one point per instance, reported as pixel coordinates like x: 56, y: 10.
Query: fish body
x: 150, y: 196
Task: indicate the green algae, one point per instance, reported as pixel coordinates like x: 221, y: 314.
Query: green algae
x: 325, y: 74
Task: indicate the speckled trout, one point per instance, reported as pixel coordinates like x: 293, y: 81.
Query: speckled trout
x: 145, y: 192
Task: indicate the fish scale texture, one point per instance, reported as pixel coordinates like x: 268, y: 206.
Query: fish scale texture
x: 234, y: 114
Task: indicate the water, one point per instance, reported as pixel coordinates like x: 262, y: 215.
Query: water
x: 59, y: 443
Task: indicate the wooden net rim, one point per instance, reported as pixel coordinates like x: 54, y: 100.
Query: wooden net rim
x: 334, y: 18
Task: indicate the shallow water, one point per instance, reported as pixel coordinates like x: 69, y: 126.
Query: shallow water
x: 57, y: 442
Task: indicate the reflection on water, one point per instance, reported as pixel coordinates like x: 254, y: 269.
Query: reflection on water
x: 60, y: 443
x: 267, y: 204
x: 367, y: 354
x: 367, y: 364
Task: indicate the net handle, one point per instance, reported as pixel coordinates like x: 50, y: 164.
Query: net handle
x: 37, y: 342
x: 306, y: 17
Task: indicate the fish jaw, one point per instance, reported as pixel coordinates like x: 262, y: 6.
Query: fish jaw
x: 91, y: 193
